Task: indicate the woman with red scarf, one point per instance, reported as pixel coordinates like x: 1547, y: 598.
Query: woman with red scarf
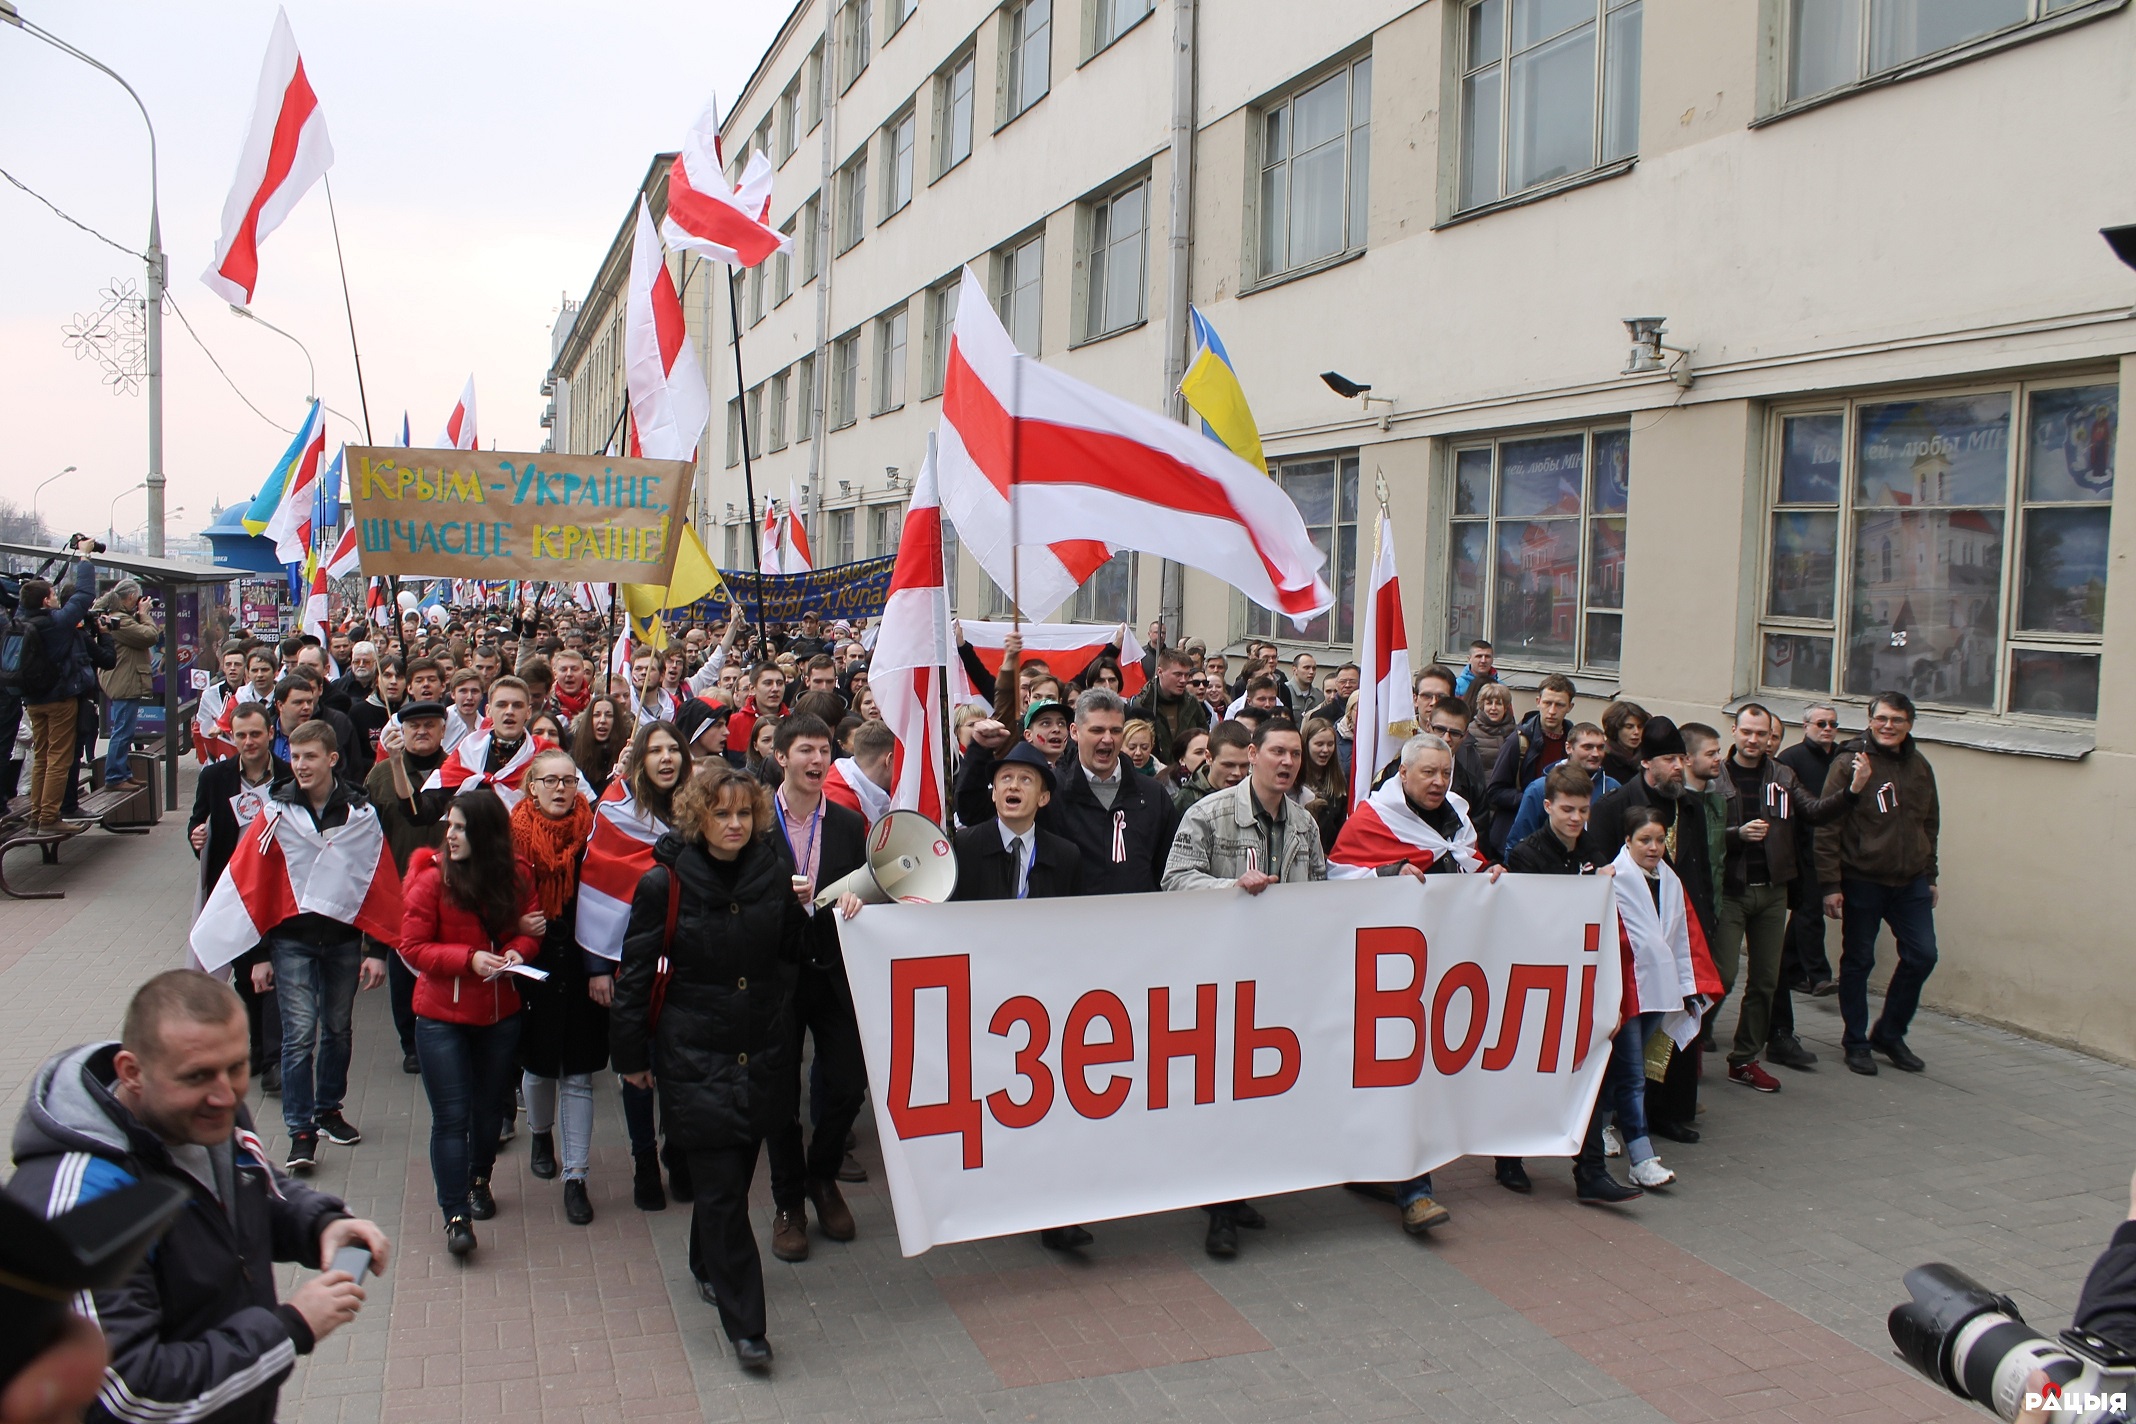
x: 564, y: 1039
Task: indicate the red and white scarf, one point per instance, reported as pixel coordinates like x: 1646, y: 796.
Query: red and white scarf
x: 1386, y: 830
x: 462, y: 768
x: 283, y: 867
x: 1667, y: 968
x: 618, y: 854
x: 852, y: 788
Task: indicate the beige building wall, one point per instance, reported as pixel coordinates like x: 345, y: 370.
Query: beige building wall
x: 1891, y: 240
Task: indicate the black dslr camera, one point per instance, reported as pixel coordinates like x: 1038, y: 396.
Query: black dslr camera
x: 1974, y: 1343
x: 96, y: 546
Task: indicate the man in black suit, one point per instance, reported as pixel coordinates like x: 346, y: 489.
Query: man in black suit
x: 1008, y: 857
x: 228, y: 795
x: 822, y: 842
x: 1120, y: 821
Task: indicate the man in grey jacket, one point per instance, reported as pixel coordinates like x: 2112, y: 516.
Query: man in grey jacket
x: 1252, y: 835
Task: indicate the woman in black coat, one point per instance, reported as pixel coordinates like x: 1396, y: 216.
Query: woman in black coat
x: 722, y: 1052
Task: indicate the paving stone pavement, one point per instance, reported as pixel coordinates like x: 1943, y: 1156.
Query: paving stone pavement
x: 1756, y: 1289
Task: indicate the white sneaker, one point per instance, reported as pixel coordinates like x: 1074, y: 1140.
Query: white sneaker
x: 1612, y: 1144
x: 1651, y: 1173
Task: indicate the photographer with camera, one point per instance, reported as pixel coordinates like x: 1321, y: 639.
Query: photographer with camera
x: 196, y: 1332
x: 44, y: 661
x: 130, y: 683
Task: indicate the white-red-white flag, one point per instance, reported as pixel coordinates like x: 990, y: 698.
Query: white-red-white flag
x: 709, y: 216
x: 459, y: 431
x: 1067, y: 648
x: 794, y: 555
x: 1384, y: 831
x: 315, y: 614
x: 286, y: 151
x: 378, y: 602
x: 618, y: 854
x: 462, y: 768
x: 1089, y: 469
x: 1384, y: 707
x: 669, y: 404
x: 914, y: 668
x: 768, y: 539
x: 347, y: 556
x: 284, y: 867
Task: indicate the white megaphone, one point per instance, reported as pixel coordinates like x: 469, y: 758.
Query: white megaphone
x: 909, y: 860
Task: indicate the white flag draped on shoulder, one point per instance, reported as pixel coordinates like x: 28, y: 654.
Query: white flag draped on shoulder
x: 286, y: 151
x: 1090, y: 468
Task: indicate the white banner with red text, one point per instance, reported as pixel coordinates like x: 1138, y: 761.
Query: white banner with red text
x: 1045, y: 1063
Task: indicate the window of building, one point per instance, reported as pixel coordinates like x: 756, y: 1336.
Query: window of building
x: 1108, y: 595
x: 1907, y: 506
x: 898, y: 138
x: 953, y: 112
x: 782, y: 267
x: 755, y: 428
x: 1316, y: 158
x: 1549, y: 89
x: 890, y: 360
x: 838, y: 529
x: 763, y: 139
x: 804, y: 398
x: 811, y: 222
x: 790, y: 120
x: 1324, y: 488
x: 900, y: 11
x: 1110, y: 19
x: 845, y: 380
x: 734, y: 546
x: 734, y: 433
x: 941, y: 327
x: 853, y: 201
x: 886, y: 524
x: 812, y: 90
x: 1118, y: 273
x: 754, y: 282
x: 1018, y: 270
x: 853, y: 41
x: 1535, y: 554
x: 1831, y: 44
x: 775, y: 414
x: 1027, y: 56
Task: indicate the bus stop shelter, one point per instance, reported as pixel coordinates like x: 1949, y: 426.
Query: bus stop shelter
x: 163, y: 578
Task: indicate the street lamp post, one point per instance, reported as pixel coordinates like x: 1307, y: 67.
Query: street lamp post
x: 40, y: 490
x: 156, y: 276
x: 312, y: 372
x: 111, y: 520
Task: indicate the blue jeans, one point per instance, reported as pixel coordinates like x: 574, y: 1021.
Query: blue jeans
x: 466, y: 1068
x: 1912, y: 918
x: 316, y: 992
x: 1624, y: 1083
x: 117, y: 765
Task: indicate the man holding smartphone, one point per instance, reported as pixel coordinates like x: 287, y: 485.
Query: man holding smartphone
x: 196, y: 1332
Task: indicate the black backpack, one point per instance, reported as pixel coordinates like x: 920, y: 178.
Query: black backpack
x: 26, y: 667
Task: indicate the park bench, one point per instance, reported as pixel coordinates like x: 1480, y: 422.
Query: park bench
x: 130, y: 811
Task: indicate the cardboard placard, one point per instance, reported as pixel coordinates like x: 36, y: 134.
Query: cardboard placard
x: 497, y: 514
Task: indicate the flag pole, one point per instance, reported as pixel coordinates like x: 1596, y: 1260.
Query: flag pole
x: 1008, y: 704
x: 741, y: 406
x: 946, y: 646
x: 350, y: 307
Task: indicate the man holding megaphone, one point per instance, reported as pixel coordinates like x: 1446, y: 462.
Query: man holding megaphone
x: 822, y: 843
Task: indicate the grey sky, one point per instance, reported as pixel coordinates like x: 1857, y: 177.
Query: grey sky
x: 485, y: 154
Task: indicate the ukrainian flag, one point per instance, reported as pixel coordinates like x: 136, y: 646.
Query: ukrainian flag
x: 1212, y: 388
x: 270, y: 496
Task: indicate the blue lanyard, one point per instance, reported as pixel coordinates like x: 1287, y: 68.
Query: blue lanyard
x: 815, y: 824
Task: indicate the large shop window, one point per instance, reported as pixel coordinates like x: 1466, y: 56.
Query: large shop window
x: 1325, y: 490
x: 1968, y: 532
x: 1535, y: 553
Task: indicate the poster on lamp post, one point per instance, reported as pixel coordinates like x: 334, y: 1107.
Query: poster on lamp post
x: 498, y: 514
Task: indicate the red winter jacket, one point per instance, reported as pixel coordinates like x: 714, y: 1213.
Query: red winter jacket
x: 439, y: 940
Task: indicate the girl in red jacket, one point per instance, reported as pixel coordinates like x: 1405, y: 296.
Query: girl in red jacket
x: 467, y: 918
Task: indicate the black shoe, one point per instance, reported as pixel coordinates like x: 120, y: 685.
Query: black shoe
x: 1065, y: 1238
x: 850, y: 1170
x: 1223, y: 1239
x: 577, y: 1209
x: 680, y: 1187
x: 1787, y: 1051
x: 708, y: 1295
x: 1824, y: 988
x: 271, y: 1081
x: 1604, y: 1190
x: 480, y: 1204
x: 509, y: 1128
x: 459, y: 1236
x: 409, y: 1065
x: 1674, y: 1131
x: 646, y: 1193
x: 542, y: 1154
x: 1513, y: 1176
x: 753, y: 1354
x: 1248, y: 1216
x: 303, y: 1154
x: 338, y: 1130
x: 1706, y: 1044
x: 1902, y: 1057
x: 1859, y: 1061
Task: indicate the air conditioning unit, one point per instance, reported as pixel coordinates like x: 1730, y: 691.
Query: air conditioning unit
x: 548, y: 417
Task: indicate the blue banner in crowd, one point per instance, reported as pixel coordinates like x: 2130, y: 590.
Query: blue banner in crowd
x: 848, y: 591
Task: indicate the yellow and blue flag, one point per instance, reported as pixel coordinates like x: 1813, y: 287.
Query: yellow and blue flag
x: 1212, y: 389
x: 269, y: 498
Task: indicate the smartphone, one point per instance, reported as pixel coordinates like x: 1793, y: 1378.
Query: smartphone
x: 356, y: 1260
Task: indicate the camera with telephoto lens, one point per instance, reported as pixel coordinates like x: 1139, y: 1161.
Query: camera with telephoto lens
x: 96, y: 546
x: 1975, y: 1344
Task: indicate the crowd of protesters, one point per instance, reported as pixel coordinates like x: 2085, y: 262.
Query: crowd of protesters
x: 612, y: 867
